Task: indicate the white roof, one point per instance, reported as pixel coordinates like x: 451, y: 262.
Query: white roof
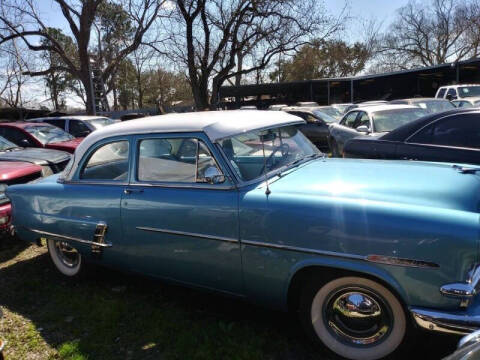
x: 382, y: 107
x: 457, y: 85
x: 73, y: 117
x: 215, y: 124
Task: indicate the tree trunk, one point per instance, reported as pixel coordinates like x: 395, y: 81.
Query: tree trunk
x: 87, y: 85
x: 200, y: 95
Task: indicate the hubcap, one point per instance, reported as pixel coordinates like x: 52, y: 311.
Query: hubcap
x: 68, y: 255
x: 357, y: 317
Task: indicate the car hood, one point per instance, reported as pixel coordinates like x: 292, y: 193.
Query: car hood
x: 37, y: 156
x: 69, y: 145
x: 10, y: 170
x: 420, y: 183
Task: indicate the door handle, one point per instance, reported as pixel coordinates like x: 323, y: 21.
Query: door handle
x: 128, y: 191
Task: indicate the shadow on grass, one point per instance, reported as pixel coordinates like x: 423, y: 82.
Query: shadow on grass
x: 10, y: 247
x: 116, y: 316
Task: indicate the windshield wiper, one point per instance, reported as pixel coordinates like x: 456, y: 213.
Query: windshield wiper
x: 298, y: 161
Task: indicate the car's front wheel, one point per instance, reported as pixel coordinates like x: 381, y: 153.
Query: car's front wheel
x: 66, y: 258
x: 354, y: 317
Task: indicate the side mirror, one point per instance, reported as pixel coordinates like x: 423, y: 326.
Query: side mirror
x: 216, y: 179
x: 363, y: 129
x: 213, y: 176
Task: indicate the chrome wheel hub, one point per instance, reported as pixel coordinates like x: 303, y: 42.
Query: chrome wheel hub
x: 68, y: 255
x: 357, y: 317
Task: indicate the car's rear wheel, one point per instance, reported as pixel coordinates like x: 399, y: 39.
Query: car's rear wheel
x: 66, y: 258
x: 354, y: 317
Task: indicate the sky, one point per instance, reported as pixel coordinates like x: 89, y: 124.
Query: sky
x: 381, y: 11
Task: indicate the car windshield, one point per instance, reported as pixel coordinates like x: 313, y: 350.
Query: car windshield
x: 5, y: 144
x: 325, y: 116
x: 48, y: 134
x: 387, y: 120
x: 469, y: 91
x: 282, y: 146
x: 435, y: 106
x: 101, y: 122
x: 331, y: 111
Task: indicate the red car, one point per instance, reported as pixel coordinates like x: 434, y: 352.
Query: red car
x: 14, y: 172
x: 42, y: 135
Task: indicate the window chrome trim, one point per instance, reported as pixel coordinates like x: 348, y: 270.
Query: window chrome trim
x: 71, y: 238
x: 185, y: 233
x: 173, y: 185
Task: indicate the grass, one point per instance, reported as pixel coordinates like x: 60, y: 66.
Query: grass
x: 117, y: 316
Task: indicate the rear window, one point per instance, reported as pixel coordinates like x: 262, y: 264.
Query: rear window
x: 387, y: 120
x: 441, y: 93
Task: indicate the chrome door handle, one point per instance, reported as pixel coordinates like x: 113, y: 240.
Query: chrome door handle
x: 128, y: 191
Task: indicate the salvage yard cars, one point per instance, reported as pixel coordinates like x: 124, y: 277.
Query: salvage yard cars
x: 242, y: 203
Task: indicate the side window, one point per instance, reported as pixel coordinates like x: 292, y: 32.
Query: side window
x: 78, y: 129
x: 108, y: 162
x: 350, y: 119
x: 184, y: 160
x: 458, y: 131
x: 452, y: 93
x: 364, y: 120
x: 57, y: 123
x: 441, y: 93
x: 18, y: 137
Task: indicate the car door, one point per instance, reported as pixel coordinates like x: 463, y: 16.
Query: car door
x: 180, y: 226
x: 346, y: 129
x: 455, y: 138
x: 92, y: 200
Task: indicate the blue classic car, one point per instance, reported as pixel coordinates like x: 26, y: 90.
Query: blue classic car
x: 242, y: 203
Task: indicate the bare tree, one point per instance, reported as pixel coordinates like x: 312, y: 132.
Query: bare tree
x: 21, y: 19
x: 426, y: 34
x: 12, y: 79
x: 223, y: 39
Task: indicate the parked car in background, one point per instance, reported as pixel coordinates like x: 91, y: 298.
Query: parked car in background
x: 452, y: 136
x: 365, y: 103
x: 40, y: 135
x: 316, y: 126
x: 432, y: 105
x: 342, y: 107
x: 307, y: 104
x: 248, y: 107
x: 78, y: 126
x: 453, y: 92
x: 246, y: 205
x: 370, y: 120
x: 132, y: 116
x: 277, y: 106
x: 467, y: 102
x: 51, y: 161
x: 17, y: 172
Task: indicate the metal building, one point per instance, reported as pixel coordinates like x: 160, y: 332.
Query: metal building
x: 387, y: 86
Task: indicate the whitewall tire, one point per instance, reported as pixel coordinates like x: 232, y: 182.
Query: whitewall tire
x: 354, y: 317
x: 65, y: 258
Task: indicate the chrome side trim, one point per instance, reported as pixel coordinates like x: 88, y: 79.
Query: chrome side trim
x: 451, y: 323
x: 388, y: 260
x: 391, y: 260
x: 303, y: 250
x: 71, y: 238
x: 184, y: 233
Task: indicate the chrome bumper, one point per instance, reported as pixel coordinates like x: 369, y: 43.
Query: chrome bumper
x: 458, y: 322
